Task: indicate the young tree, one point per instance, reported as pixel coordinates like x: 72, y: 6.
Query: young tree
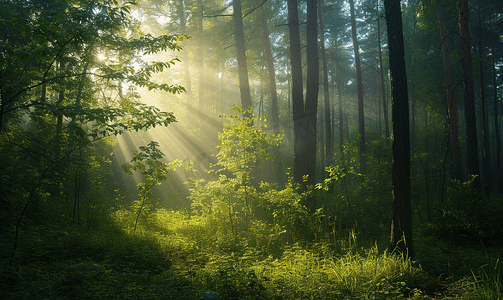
x: 401, y: 228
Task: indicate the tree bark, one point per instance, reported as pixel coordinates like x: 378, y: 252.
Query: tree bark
x: 383, y: 89
x: 339, y: 94
x: 201, y: 52
x: 472, y: 155
x: 498, y: 172
x: 244, y: 85
x: 185, y: 56
x: 401, y: 229
x: 297, y: 90
x: 326, y: 94
x: 486, y: 148
x: 452, y: 109
x: 272, y: 74
x: 312, y: 89
x: 359, y: 88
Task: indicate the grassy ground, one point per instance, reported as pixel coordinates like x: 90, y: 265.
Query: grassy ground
x: 111, y: 263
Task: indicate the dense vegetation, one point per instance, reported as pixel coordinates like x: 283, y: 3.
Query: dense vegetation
x: 240, y: 190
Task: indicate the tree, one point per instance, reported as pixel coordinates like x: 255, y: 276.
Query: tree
x: 326, y: 94
x: 472, y: 155
x: 359, y: 89
x: 401, y: 228
x: 244, y: 85
x: 452, y: 109
x: 147, y: 160
x: 272, y: 73
x: 381, y: 74
x: 304, y: 115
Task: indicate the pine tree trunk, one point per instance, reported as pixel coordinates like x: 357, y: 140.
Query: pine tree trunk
x: 244, y: 85
x: 451, y: 100
x: 401, y: 232
x: 359, y: 88
x: 312, y: 89
x: 297, y: 91
x: 272, y: 74
x: 472, y: 155
x: 201, y: 52
x: 498, y: 172
x: 383, y: 89
x: 486, y: 148
x: 326, y: 94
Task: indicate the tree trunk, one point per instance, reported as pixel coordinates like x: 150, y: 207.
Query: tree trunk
x: 472, y: 155
x: 272, y: 75
x: 326, y: 94
x: 297, y: 91
x: 452, y: 109
x: 244, y: 85
x: 486, y: 148
x: 201, y: 52
x: 312, y: 89
x: 498, y: 172
x: 401, y: 228
x: 383, y: 89
x: 339, y: 94
x: 185, y: 56
x: 359, y: 88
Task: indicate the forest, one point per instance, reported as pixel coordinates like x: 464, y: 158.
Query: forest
x: 251, y: 149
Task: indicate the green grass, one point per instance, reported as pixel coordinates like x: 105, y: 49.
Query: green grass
x: 176, y: 257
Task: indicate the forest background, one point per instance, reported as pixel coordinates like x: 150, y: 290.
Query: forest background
x: 250, y: 149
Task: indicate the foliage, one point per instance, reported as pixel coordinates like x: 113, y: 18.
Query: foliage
x: 147, y: 161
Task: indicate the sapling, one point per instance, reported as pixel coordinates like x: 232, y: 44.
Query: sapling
x: 147, y: 160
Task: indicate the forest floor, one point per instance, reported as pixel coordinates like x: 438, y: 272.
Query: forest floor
x: 57, y: 263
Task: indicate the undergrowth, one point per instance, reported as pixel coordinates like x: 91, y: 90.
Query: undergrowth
x: 173, y: 257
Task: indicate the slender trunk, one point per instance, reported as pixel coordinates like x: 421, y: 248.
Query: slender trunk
x: 322, y: 144
x: 401, y: 232
x: 272, y: 74
x: 297, y: 90
x: 486, y: 148
x: 359, y: 88
x: 312, y: 89
x: 326, y: 94
x: 244, y: 85
x: 498, y: 172
x: 339, y: 94
x: 452, y: 109
x: 383, y: 89
x: 201, y: 53
x: 185, y: 53
x: 413, y: 73
x: 472, y: 155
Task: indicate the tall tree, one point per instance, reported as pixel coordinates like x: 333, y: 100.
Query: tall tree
x: 304, y: 115
x: 297, y: 90
x: 312, y: 89
x: 272, y: 73
x: 326, y: 94
x: 244, y: 85
x: 200, y: 52
x: 486, y: 148
x: 401, y: 229
x: 452, y: 109
x: 472, y: 155
x: 498, y: 174
x: 359, y: 89
x: 381, y: 74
